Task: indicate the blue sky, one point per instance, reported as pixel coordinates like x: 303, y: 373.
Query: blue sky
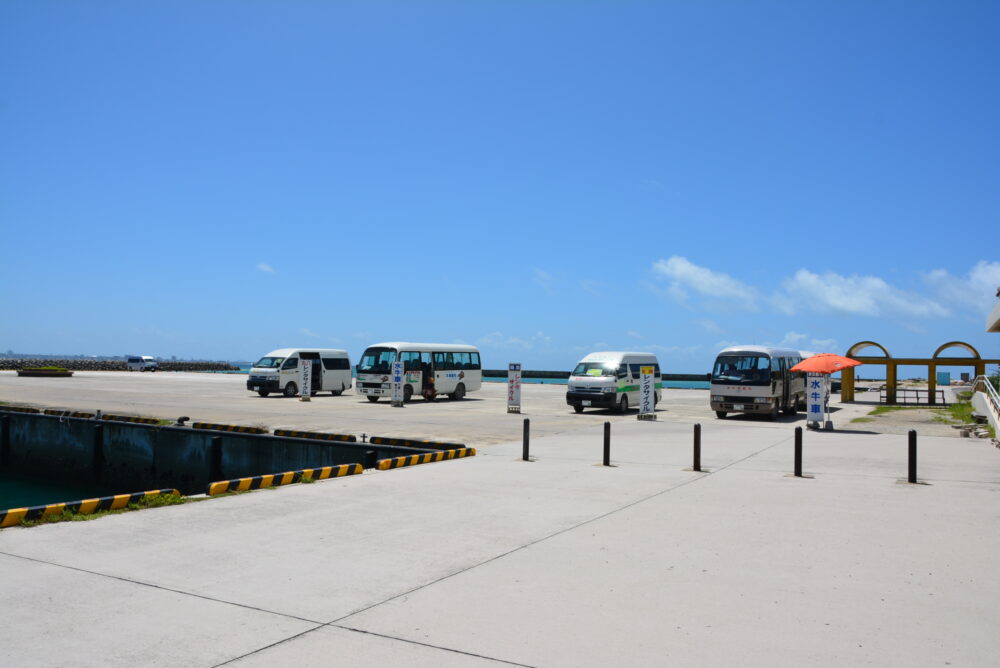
x: 542, y: 179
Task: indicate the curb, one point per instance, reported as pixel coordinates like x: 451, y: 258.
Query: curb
x: 412, y: 443
x: 75, y: 414
x: 12, y: 517
x: 228, y: 427
x: 278, y: 479
x: 19, y: 409
x: 320, y: 436
x: 411, y: 460
x: 129, y: 418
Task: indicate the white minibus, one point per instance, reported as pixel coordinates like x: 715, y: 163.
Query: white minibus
x: 757, y: 379
x: 278, y: 371
x: 610, y: 380
x: 429, y: 369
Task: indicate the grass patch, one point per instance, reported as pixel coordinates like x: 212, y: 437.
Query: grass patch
x: 863, y: 419
x: 45, y: 368
x: 154, y: 501
x: 882, y: 410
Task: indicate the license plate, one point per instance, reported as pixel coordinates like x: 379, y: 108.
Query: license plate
x: 585, y: 402
x: 740, y: 407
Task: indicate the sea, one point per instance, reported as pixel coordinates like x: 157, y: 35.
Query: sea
x: 675, y: 384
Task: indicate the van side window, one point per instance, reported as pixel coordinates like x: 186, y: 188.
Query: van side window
x: 411, y: 360
x: 290, y: 363
x: 623, y: 370
x: 335, y: 363
x: 475, y: 361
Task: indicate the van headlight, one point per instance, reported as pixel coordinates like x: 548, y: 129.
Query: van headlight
x: 762, y: 400
x: 718, y: 398
x: 609, y: 390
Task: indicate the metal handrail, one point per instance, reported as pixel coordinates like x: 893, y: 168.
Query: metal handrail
x: 993, y: 399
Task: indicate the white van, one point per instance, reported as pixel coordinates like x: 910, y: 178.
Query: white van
x: 143, y: 363
x: 610, y: 380
x: 278, y: 371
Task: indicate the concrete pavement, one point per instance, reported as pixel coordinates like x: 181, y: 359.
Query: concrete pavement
x: 557, y: 561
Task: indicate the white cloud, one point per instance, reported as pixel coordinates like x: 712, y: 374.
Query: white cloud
x: 686, y: 277
x: 592, y: 287
x: 501, y: 340
x: 266, y: 268
x: 976, y: 291
x: 633, y: 334
x: 800, y: 341
x: 543, y: 280
x: 710, y: 326
x: 852, y: 295
x: 308, y: 332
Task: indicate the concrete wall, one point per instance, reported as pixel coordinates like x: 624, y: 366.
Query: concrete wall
x: 130, y: 457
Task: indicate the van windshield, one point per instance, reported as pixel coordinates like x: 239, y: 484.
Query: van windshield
x: 377, y: 360
x: 269, y: 362
x: 595, y: 369
x: 742, y: 370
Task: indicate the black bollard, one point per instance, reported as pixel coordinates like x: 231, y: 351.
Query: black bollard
x: 527, y: 432
x: 696, y: 466
x: 798, y: 452
x: 912, y: 477
x: 607, y: 444
x: 371, y: 459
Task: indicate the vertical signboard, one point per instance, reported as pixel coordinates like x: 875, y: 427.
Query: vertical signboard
x: 305, y: 379
x: 815, y: 397
x: 513, y: 388
x: 647, y: 393
x: 397, y: 383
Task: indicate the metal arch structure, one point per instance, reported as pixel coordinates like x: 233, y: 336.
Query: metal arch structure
x: 891, y: 363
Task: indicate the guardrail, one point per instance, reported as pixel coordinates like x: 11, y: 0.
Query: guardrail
x: 983, y: 384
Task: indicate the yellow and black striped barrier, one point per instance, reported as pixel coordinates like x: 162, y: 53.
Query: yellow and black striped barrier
x: 19, y: 409
x: 129, y: 418
x: 9, y: 518
x: 75, y: 414
x: 411, y: 443
x: 318, y: 435
x: 411, y: 460
x: 228, y: 427
x: 277, y: 479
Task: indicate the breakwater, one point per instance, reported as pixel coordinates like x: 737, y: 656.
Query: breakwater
x: 110, y: 365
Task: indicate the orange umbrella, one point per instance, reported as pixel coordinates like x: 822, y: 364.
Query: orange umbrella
x: 825, y: 363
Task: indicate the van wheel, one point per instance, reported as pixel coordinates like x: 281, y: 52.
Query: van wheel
x: 407, y: 393
x: 792, y: 407
x: 291, y: 390
x: 623, y: 405
x: 263, y: 393
x: 578, y: 408
x: 459, y: 392
x: 336, y: 393
x: 372, y: 399
x: 720, y: 414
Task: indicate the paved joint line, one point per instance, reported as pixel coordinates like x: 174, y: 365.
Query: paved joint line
x: 424, y: 644
x: 160, y: 587
x: 274, y: 644
x: 560, y: 532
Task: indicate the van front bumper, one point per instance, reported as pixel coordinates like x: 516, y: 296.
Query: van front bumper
x: 265, y: 385
x: 592, y: 399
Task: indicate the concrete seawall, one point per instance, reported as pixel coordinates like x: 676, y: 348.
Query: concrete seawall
x: 129, y: 456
